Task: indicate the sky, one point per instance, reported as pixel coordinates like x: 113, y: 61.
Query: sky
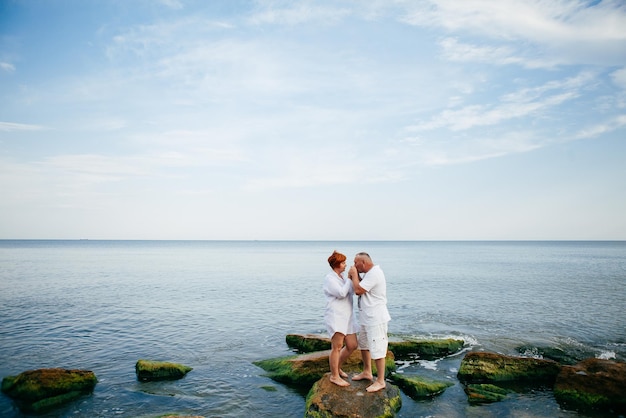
x: 313, y: 120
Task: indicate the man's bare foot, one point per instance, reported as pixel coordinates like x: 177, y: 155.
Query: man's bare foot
x: 363, y: 376
x: 339, y: 381
x: 343, y: 374
x: 376, y: 386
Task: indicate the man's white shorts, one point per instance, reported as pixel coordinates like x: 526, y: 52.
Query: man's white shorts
x: 374, y: 339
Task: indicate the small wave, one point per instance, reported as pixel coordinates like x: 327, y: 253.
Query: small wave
x: 428, y: 364
x: 607, y: 355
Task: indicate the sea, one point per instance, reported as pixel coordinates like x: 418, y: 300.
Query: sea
x: 219, y: 306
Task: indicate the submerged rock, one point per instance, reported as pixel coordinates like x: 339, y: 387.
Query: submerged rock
x: 307, y: 343
x: 481, y: 367
x: 418, y: 387
x: 555, y: 353
x: 148, y: 370
x: 306, y: 369
x: 478, y: 393
x: 426, y: 349
x: 402, y: 348
x: 592, y: 384
x: 44, y: 389
x: 327, y: 400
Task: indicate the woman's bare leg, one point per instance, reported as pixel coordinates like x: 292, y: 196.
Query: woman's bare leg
x: 346, y: 351
x: 333, y: 359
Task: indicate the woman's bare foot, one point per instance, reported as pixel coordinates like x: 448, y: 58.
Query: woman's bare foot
x: 343, y: 374
x: 363, y: 376
x: 376, y: 386
x: 339, y: 381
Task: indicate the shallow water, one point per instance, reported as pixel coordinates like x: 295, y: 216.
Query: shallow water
x: 219, y: 306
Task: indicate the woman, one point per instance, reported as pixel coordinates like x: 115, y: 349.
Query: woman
x: 339, y: 317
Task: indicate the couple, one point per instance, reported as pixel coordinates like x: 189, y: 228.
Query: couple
x: 371, y: 289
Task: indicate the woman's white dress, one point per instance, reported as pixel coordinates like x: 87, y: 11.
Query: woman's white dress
x: 339, y: 315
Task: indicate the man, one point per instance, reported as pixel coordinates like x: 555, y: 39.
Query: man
x: 373, y: 317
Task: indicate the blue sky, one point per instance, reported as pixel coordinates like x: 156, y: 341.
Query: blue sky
x: 338, y: 120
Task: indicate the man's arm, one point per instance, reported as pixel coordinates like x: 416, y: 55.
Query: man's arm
x: 356, y: 282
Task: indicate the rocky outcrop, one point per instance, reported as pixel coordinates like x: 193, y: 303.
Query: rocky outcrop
x: 307, y: 343
x: 44, y: 389
x: 306, y: 369
x: 327, y: 400
x: 403, y: 348
x: 479, y: 393
x: 148, y: 370
x: 484, y: 367
x: 592, y: 384
x: 425, y: 349
x: 418, y: 387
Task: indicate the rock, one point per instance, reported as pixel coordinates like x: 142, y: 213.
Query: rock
x: 478, y: 393
x: 327, y: 400
x: 307, y: 343
x: 418, y: 387
x: 148, y: 370
x: 425, y: 349
x: 44, y: 389
x: 592, y: 384
x: 306, y: 369
x: 481, y: 367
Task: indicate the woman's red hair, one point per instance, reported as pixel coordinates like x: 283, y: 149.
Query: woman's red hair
x: 336, y: 259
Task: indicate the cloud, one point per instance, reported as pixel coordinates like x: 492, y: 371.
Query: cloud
x: 619, y: 78
x: 7, y: 67
x: 453, y: 50
x: 13, y: 127
x: 596, y: 130
x: 172, y: 4
x: 563, y: 31
x: 295, y: 14
x: 525, y: 102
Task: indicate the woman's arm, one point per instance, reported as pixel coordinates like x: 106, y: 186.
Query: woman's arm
x: 337, y: 289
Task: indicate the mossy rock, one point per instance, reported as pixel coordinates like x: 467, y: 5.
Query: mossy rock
x: 306, y: 369
x: 327, y: 400
x: 485, y: 367
x: 425, y: 349
x: 148, y: 370
x: 308, y: 343
x: 479, y: 393
x: 418, y: 387
x: 592, y: 384
x: 44, y: 389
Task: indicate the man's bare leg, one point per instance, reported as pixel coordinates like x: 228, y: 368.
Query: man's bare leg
x: 366, y: 374
x: 379, y: 383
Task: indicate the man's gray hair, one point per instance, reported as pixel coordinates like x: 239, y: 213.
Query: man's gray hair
x: 363, y: 254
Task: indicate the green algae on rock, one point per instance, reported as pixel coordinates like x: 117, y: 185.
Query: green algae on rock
x: 306, y: 369
x: 148, y: 370
x: 418, y: 387
x: 400, y: 346
x: 44, y: 389
x: 592, y: 384
x: 307, y: 343
x: 484, y: 367
x: 478, y: 393
x: 327, y: 400
x: 430, y: 349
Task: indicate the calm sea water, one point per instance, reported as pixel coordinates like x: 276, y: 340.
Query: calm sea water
x: 219, y: 306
